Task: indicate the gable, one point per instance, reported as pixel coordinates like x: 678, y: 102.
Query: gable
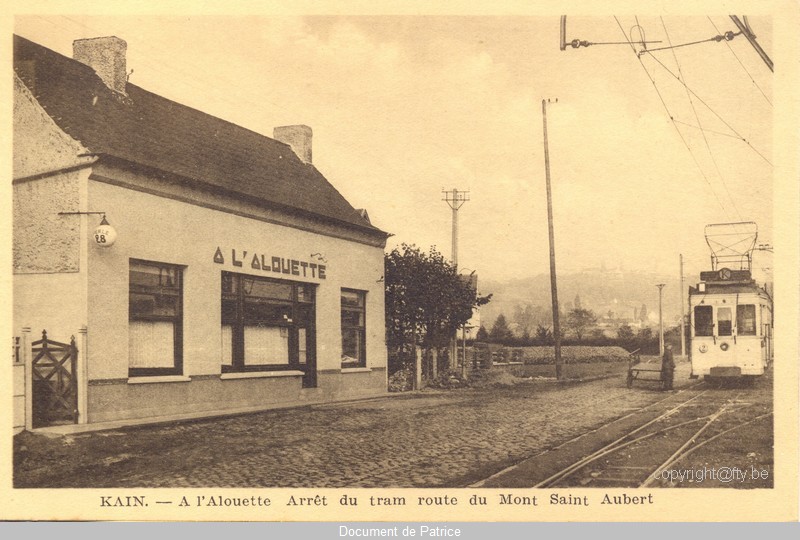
x: 40, y: 147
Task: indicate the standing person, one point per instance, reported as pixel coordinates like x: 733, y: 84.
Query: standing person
x: 667, y: 368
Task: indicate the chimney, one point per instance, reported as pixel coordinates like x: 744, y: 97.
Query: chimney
x: 298, y: 137
x: 106, y: 55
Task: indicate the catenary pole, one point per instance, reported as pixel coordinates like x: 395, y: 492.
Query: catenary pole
x: 660, y: 321
x: 683, y: 313
x: 551, y: 235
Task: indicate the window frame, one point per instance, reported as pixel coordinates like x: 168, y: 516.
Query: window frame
x: 742, y: 316
x: 293, y: 326
x: 724, y: 326
x: 710, y: 321
x: 361, y: 329
x: 177, y: 320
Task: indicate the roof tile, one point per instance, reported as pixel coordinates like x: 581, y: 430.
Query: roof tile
x: 149, y: 130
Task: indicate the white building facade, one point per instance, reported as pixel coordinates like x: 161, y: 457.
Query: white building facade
x: 239, y: 278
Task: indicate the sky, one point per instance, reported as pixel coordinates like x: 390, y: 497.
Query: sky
x: 403, y: 107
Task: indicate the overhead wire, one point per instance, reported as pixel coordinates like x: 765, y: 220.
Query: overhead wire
x: 727, y: 36
x: 741, y: 64
x: 687, y: 124
x: 701, y: 100
x: 697, y: 117
x: 669, y: 114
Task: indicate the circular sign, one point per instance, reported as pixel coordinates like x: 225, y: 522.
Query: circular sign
x: 725, y: 274
x: 105, y: 235
x: 703, y: 347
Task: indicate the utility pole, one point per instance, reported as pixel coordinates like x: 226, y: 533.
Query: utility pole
x: 745, y: 30
x: 455, y: 199
x: 553, y: 286
x: 683, y: 313
x: 660, y: 322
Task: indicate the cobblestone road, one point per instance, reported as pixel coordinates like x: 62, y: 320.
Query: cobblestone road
x: 425, y: 439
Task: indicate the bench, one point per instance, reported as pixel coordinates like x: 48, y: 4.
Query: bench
x: 638, y: 372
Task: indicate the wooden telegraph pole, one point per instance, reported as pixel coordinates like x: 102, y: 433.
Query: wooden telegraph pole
x: 553, y: 287
x: 660, y: 321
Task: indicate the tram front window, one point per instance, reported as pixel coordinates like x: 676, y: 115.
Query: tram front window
x: 746, y: 319
x: 724, y: 321
x: 703, y: 321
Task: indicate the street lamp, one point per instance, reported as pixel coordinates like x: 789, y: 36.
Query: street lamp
x: 104, y: 235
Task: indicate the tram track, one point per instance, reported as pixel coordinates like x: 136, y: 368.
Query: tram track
x: 639, y: 461
x: 620, y: 394
x: 622, y: 442
x: 642, y: 447
x: 575, y: 439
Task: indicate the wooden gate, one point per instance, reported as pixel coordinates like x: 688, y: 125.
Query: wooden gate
x: 54, y: 383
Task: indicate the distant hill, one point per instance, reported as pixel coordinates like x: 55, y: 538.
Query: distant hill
x: 621, y: 292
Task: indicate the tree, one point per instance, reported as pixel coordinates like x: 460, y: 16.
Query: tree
x: 500, y: 331
x: 526, y: 337
x: 426, y: 299
x: 625, y: 333
x: 597, y: 334
x: 482, y: 334
x: 643, y: 313
x: 645, y: 334
x: 646, y: 341
x: 525, y: 317
x: 579, y: 320
x: 543, y: 335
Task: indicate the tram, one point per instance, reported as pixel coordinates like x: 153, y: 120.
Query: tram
x: 730, y: 314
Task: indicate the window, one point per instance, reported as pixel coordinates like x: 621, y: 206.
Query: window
x: 267, y: 324
x: 724, y: 321
x: 746, y: 320
x: 155, y: 319
x: 354, y: 352
x: 703, y: 321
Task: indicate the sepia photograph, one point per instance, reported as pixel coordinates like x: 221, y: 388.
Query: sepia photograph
x: 326, y: 266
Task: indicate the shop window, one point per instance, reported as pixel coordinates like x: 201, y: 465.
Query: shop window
x: 155, y: 319
x: 267, y: 324
x: 746, y: 319
x: 354, y: 352
x: 703, y: 321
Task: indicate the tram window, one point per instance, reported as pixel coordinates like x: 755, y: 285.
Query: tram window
x: 746, y: 319
x: 724, y: 321
x: 703, y: 321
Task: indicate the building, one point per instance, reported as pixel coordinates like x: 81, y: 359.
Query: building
x: 231, y: 276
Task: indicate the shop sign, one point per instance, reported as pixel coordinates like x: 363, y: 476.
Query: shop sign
x: 278, y: 265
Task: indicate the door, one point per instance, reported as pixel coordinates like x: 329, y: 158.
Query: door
x: 54, y: 384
